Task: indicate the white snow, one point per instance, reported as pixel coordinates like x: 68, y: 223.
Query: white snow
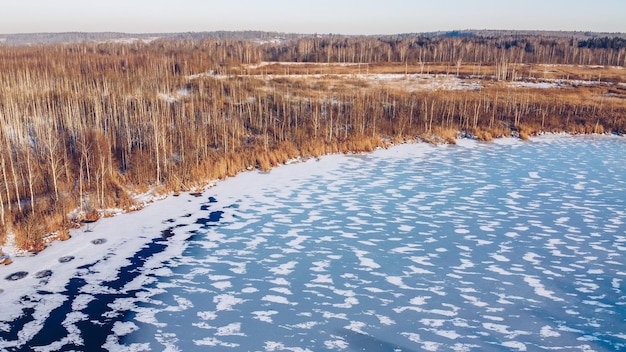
x: 265, y: 315
x: 277, y: 299
x: 284, y: 269
x: 519, y: 346
x: 226, y: 301
x: 124, y: 328
x: 540, y: 289
x: 232, y: 329
x: 547, y: 331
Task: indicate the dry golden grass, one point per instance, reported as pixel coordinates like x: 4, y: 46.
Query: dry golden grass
x: 263, y: 162
x: 3, y: 234
x: 118, y: 120
x: 482, y: 134
x: 449, y: 135
x: 91, y: 216
x: 30, y: 234
x: 533, y: 72
x: 525, y: 131
x: 63, y: 235
x: 524, y: 135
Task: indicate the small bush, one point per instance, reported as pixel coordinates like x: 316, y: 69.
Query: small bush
x: 447, y: 134
x: 3, y: 234
x: 63, y: 235
x: 523, y: 135
x: 482, y: 135
x: 91, y: 216
x: 29, y: 232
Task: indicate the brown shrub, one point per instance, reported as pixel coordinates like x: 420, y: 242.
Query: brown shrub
x: 117, y: 195
x: 523, y: 135
x: 263, y: 162
x: 447, y: 134
x: 482, y: 135
x: 63, y: 235
x: 53, y: 221
x: 3, y: 234
x: 29, y: 233
x: 599, y: 129
x: 91, y: 216
x: 527, y: 130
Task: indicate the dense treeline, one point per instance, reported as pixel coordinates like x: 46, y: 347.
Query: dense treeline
x: 49, y: 38
x: 545, y: 50
x: 614, y: 43
x: 85, y: 125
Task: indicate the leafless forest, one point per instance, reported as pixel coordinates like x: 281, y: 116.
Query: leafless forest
x: 86, y: 126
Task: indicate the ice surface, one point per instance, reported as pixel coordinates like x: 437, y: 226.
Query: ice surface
x: 414, y: 247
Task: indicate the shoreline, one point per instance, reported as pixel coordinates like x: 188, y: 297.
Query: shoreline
x: 11, y: 253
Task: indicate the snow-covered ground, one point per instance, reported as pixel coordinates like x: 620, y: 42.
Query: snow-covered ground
x: 409, y: 81
x: 515, y: 245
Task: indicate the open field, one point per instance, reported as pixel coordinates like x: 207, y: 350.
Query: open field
x: 592, y: 73
x: 600, y: 82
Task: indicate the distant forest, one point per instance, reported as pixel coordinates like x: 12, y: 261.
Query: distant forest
x: 85, y: 125
x: 82, y: 37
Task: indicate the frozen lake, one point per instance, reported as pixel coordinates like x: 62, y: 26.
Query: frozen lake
x: 510, y: 245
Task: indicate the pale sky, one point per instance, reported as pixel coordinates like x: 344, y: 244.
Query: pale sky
x: 319, y: 16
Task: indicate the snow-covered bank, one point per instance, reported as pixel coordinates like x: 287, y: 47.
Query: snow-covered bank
x: 11, y: 251
x: 110, y: 241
